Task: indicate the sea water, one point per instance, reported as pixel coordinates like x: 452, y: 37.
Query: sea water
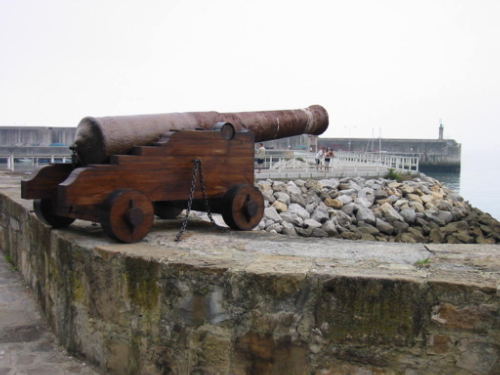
x: 478, y: 181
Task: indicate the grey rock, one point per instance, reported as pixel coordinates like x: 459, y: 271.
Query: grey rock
x: 331, y: 183
x: 381, y: 194
x: 282, y: 197
x: 276, y: 227
x: 330, y: 227
x: 400, y: 227
x: 288, y: 229
x: 299, y: 199
x: 310, y: 223
x: 300, y: 211
x: 384, y: 227
x: 347, y: 192
x: 367, y: 228
x: 343, y: 219
x: 292, y: 218
x: 311, y: 207
x: 455, y: 197
x: 300, y: 182
x: 271, y: 214
x: 444, y: 205
x: 268, y: 196
x: 394, y: 198
x: 279, y: 186
x: 458, y: 213
x: 409, y: 215
x: 292, y: 188
x: 390, y: 214
x: 349, y: 208
x: 446, y: 216
x: 366, y: 215
x: 321, y: 213
x: 345, y: 199
x: 312, y: 197
x: 312, y: 184
x: 433, y: 218
x: 319, y: 233
x: 366, y: 197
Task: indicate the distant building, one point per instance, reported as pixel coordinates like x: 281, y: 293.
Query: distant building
x: 36, y: 136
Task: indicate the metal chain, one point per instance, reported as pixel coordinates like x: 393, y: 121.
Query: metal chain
x: 197, y: 166
x: 207, y: 205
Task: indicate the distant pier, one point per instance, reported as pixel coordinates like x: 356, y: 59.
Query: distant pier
x: 434, y: 154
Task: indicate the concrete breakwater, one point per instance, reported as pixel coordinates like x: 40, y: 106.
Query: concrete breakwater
x: 419, y: 210
x: 257, y: 303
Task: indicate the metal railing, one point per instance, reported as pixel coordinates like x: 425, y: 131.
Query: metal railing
x: 303, y: 164
x: 397, y: 162
x: 13, y: 160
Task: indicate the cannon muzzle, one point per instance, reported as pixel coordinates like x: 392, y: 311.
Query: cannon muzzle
x: 98, y: 138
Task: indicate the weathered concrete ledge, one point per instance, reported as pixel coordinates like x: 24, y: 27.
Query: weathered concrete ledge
x: 253, y: 303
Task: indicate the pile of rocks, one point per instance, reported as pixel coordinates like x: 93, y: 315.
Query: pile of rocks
x: 420, y: 210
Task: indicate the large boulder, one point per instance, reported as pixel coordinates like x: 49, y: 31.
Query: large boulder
x: 366, y: 215
x: 366, y: 197
x: 299, y: 211
x: 390, y: 214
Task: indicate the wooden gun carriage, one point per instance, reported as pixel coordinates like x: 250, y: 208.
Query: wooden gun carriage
x: 128, y: 169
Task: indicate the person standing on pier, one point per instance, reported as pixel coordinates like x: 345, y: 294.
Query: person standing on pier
x: 329, y: 155
x: 260, y: 156
x: 319, y: 155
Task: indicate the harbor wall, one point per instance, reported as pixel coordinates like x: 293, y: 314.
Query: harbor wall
x: 231, y: 304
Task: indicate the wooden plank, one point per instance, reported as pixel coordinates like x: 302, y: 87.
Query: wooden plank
x: 169, y: 179
x: 42, y: 183
x: 202, y: 143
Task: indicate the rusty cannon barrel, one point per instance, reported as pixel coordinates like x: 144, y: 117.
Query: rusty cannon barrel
x: 97, y: 138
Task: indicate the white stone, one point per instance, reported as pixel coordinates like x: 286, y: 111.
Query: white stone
x: 300, y: 211
x: 272, y: 214
x: 310, y: 223
x: 282, y: 197
x: 292, y: 218
x: 332, y: 183
x: 366, y: 197
x: 366, y: 215
x: 292, y: 188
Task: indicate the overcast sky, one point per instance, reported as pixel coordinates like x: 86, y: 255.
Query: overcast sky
x: 387, y: 67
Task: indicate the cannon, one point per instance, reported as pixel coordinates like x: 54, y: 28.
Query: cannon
x: 127, y: 169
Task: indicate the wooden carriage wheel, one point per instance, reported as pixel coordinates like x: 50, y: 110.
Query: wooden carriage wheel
x: 45, y: 211
x: 126, y: 215
x: 242, y: 207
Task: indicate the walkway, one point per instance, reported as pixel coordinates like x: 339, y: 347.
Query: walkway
x: 345, y: 164
x: 340, y: 169
x: 27, y: 346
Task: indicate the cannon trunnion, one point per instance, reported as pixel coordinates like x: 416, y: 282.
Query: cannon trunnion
x: 124, y: 195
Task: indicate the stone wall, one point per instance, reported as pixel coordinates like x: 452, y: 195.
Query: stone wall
x: 244, y: 303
